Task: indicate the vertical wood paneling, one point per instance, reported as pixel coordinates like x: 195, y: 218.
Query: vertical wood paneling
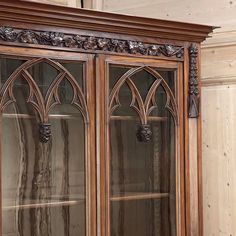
x: 219, y: 163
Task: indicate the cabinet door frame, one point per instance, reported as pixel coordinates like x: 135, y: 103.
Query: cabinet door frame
x: 89, y: 88
x: 102, y: 97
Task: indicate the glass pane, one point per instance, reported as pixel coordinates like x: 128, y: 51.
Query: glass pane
x: 43, y: 184
x: 76, y: 70
x: 143, y: 81
x: 8, y: 66
x: 142, y: 174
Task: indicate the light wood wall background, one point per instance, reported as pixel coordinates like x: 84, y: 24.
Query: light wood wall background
x: 218, y: 96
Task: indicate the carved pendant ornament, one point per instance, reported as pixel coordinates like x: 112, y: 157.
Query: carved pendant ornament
x: 144, y: 133
x: 44, y: 132
x: 143, y: 106
x: 43, y: 104
x: 193, y: 82
x: 59, y: 39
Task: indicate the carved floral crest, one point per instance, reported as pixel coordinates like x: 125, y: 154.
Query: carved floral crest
x: 60, y: 39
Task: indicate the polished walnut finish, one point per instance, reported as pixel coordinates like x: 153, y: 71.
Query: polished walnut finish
x: 139, y: 159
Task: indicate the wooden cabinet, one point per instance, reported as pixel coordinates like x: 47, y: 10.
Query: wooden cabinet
x: 100, y: 123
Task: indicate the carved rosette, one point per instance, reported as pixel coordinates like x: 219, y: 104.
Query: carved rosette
x: 193, y: 82
x: 44, y: 132
x: 59, y: 39
x: 144, y: 133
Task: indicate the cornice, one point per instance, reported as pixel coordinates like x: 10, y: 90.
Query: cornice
x: 59, y: 16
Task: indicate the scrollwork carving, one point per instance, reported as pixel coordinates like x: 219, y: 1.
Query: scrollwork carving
x: 170, y: 51
x: 60, y: 39
x: 193, y: 82
x: 28, y: 36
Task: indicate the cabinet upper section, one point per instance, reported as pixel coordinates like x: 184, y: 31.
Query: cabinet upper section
x: 71, y: 22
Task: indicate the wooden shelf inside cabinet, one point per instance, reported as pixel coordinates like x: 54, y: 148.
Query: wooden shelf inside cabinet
x: 137, y: 196
x: 45, y: 204
x: 52, y: 116
x: 151, y: 118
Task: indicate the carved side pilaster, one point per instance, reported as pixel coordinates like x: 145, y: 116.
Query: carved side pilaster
x: 194, y: 97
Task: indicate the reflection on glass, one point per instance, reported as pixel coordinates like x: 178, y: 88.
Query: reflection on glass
x: 8, y: 66
x: 43, y: 184
x: 142, y: 174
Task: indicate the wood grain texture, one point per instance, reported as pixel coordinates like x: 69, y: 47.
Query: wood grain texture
x: 100, y: 21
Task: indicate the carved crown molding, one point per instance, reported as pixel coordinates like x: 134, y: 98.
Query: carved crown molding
x: 194, y: 97
x: 59, y: 39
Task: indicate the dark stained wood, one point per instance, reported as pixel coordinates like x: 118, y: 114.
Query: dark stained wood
x: 71, y: 18
x: 59, y: 39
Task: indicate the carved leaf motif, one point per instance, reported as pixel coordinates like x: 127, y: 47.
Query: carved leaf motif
x: 79, y: 40
x: 144, y: 108
x: 103, y: 44
x: 70, y: 42
x: 90, y: 43
x: 118, y: 46
x: 133, y: 47
x: 153, y: 50
x: 7, y: 34
x: 60, y: 39
x: 28, y: 36
x: 169, y: 51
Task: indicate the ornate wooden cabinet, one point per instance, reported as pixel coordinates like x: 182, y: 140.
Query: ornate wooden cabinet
x: 100, y: 123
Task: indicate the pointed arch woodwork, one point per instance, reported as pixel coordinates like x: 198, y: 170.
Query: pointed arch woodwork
x: 43, y: 104
x: 146, y: 106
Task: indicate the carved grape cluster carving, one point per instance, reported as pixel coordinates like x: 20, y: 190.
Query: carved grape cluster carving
x: 193, y: 82
x: 88, y: 42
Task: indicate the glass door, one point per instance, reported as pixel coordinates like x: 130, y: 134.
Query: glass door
x: 143, y: 143
x: 46, y: 134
